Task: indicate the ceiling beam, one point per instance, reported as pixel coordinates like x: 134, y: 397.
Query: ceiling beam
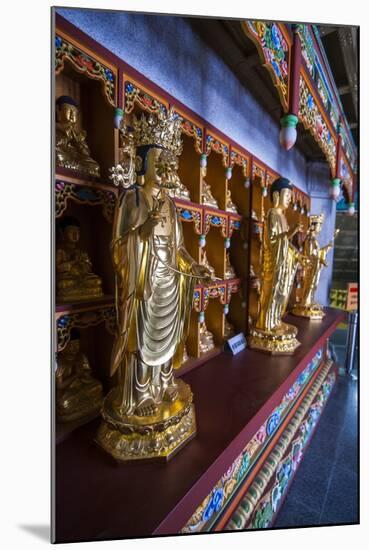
x: 348, y: 42
x: 344, y: 90
x: 323, y: 30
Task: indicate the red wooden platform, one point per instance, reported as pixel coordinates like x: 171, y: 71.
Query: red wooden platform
x: 95, y: 499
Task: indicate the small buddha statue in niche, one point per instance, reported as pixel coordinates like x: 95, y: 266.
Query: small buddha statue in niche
x: 206, y: 339
x: 71, y: 148
x: 230, y: 272
x: 179, y: 191
x: 254, y: 279
x: 206, y: 196
x: 205, y: 262
x: 231, y: 207
x: 75, y: 279
x: 185, y: 355
x: 78, y: 393
x: 229, y: 329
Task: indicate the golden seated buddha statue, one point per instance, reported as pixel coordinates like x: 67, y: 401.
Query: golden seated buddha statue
x: 74, y: 277
x: 180, y: 191
x: 206, y: 196
x: 71, y: 148
x: 185, y: 356
x: 205, y: 262
x: 229, y: 329
x: 231, y: 207
x: 230, y: 272
x: 78, y: 393
x: 206, y: 339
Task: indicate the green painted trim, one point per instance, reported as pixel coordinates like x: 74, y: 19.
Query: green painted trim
x: 118, y: 111
x: 335, y: 181
x: 289, y: 121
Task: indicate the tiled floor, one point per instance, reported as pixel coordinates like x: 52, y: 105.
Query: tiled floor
x: 325, y: 489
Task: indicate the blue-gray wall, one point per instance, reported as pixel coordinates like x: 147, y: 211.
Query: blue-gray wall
x: 168, y: 52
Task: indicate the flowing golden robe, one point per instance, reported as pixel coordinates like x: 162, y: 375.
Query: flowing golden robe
x: 278, y: 271
x: 153, y: 301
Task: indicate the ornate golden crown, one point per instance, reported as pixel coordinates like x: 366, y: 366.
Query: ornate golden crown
x: 316, y: 218
x: 163, y: 129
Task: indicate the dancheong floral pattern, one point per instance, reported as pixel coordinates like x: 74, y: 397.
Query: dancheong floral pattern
x: 313, y: 120
x: 210, y: 509
x: 84, y: 64
x: 269, y: 504
x: 133, y: 94
x: 307, y: 47
x: 269, y: 38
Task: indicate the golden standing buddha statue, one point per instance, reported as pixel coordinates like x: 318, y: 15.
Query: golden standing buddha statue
x: 78, y: 393
x: 72, y: 150
x: 74, y: 277
x: 279, y: 263
x: 307, y: 307
x: 149, y: 414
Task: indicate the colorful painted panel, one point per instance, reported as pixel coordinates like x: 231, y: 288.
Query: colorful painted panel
x: 213, y: 219
x: 313, y: 120
x: 65, y: 191
x: 84, y: 319
x: 83, y: 63
x: 274, y: 50
x: 240, y: 160
x: 269, y: 504
x: 197, y: 299
x: 211, y: 292
x: 258, y: 172
x: 307, y: 48
x: 234, y: 225
x: 257, y: 507
x: 212, y: 143
x: 318, y: 73
x: 190, y: 214
x: 348, y: 148
x: 193, y: 130
x: 213, y: 505
x: 135, y: 94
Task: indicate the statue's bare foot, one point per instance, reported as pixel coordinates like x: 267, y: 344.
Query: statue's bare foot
x: 146, y: 408
x: 171, y: 393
